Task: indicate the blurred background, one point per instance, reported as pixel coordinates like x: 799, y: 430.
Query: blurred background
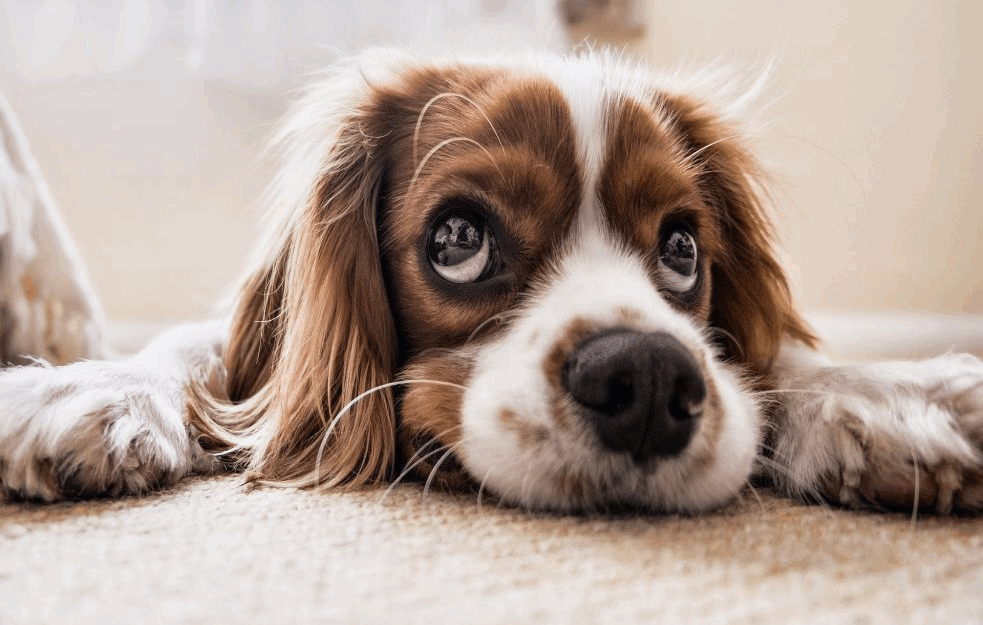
x: 148, y: 118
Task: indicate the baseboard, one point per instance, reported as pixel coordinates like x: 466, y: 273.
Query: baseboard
x: 897, y: 334
x: 846, y: 335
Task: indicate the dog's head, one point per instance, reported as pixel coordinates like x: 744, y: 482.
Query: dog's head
x: 564, y: 261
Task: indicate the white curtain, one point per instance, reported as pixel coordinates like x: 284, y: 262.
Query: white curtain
x: 252, y: 43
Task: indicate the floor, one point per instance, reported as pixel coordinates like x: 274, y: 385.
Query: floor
x: 210, y: 551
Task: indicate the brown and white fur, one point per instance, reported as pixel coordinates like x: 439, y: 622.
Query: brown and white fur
x: 348, y: 360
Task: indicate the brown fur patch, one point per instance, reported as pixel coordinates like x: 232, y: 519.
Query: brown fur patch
x: 29, y: 288
x: 707, y: 436
x: 528, y: 435
x: 518, y: 161
x: 630, y: 317
x: 576, y: 331
x: 645, y: 183
x: 430, y: 423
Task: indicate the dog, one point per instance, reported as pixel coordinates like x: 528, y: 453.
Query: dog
x: 550, y: 279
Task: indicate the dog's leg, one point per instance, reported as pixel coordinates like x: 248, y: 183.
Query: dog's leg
x: 891, y: 434
x: 105, y: 427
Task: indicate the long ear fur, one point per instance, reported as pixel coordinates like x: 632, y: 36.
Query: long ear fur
x: 312, y: 328
x: 750, y: 300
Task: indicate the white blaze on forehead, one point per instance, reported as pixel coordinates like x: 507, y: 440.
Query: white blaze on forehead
x: 586, y: 93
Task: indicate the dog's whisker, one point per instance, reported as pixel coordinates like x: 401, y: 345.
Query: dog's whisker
x: 917, y: 496
x: 778, y: 466
x: 435, y: 99
x: 846, y: 167
x: 499, y: 317
x: 436, y: 467
x: 524, y: 490
x: 691, y: 161
x: 433, y: 439
x: 809, y: 391
x: 717, y: 330
x: 409, y: 470
x: 438, y: 147
x: 754, y: 492
x: 481, y: 487
x: 347, y: 408
x: 415, y: 460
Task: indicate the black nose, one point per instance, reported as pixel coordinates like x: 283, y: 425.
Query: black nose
x: 642, y: 393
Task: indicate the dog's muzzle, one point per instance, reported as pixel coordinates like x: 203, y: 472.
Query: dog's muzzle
x: 642, y: 393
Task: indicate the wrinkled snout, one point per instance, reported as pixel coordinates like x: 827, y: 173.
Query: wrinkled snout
x: 642, y: 393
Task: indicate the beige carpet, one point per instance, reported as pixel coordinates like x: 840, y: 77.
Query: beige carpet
x: 210, y: 552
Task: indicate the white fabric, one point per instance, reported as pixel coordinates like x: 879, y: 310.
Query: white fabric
x: 47, y: 308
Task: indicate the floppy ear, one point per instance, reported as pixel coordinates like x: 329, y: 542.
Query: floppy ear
x: 750, y: 297
x: 312, y: 328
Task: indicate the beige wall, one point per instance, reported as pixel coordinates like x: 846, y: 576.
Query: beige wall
x: 876, y: 143
x: 877, y: 140
x: 157, y: 181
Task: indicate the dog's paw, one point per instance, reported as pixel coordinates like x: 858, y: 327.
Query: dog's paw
x: 90, y: 429
x: 894, y: 435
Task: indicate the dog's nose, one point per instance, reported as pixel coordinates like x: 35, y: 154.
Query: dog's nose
x: 642, y: 393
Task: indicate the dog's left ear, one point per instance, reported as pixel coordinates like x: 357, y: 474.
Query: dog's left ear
x: 750, y: 300
x: 312, y: 337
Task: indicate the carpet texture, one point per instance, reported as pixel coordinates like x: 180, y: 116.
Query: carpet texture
x: 209, y: 551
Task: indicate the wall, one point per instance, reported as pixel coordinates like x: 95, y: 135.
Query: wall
x: 876, y: 138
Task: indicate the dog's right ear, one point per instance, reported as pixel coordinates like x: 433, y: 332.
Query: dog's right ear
x: 751, y: 300
x: 312, y: 329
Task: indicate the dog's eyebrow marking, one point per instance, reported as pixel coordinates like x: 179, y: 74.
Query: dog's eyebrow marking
x: 431, y: 102
x: 445, y: 142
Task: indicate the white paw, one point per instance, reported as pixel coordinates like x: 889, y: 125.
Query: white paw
x: 887, y: 434
x: 90, y: 429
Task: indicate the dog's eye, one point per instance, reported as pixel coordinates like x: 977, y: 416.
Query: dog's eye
x: 677, y: 261
x: 462, y: 248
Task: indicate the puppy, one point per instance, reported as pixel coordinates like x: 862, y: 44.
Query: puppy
x: 550, y: 279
